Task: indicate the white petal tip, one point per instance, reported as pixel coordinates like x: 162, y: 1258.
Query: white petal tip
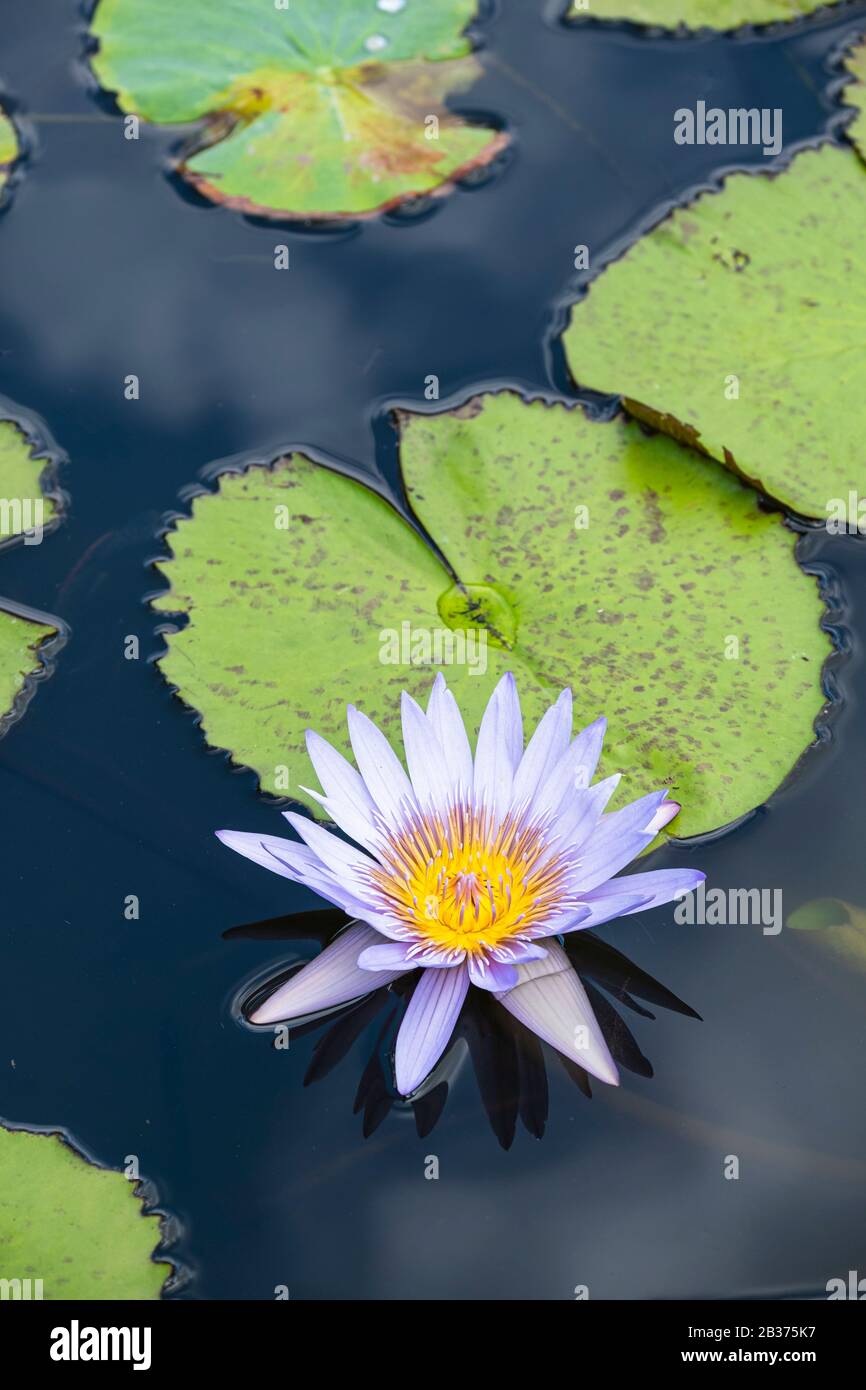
x: 228, y: 837
x: 265, y: 1015
x: 663, y: 816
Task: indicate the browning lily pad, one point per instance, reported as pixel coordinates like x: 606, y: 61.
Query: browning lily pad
x: 576, y: 553
x: 24, y: 512
x: 74, y: 1231
x: 317, y: 108
x: 739, y: 325
x: 698, y: 14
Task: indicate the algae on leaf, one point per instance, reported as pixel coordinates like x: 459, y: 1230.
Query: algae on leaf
x: 78, y: 1229
x: 324, y: 108
x: 739, y: 325
x: 698, y: 14
x: 576, y: 553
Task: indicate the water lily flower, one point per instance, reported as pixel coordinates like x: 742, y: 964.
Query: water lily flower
x: 463, y: 868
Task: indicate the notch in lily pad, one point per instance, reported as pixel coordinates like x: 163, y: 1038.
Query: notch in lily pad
x: 314, y: 109
x: 30, y: 506
x: 584, y: 554
x: 70, y: 1229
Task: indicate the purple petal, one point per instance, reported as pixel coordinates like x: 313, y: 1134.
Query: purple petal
x: 491, y: 974
x: 428, y: 1024
x: 658, y: 887
x: 581, y: 812
x: 617, y: 839
x: 544, y: 750
x: 296, y: 862
x: 299, y: 863
x: 574, y: 770
x: 447, y: 724
x: 389, y: 955
x: 550, y: 1000
x: 343, y: 860
x: 515, y: 952
x: 617, y: 905
x: 603, y: 857
x: 512, y: 718
x: 346, y: 799
x: 381, y: 769
x: 425, y: 758
x: 498, y: 737
x: 333, y: 977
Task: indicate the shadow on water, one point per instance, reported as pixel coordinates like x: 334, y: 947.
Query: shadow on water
x: 507, y: 1059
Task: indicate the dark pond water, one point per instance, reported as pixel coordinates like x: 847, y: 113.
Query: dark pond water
x: 123, y: 1031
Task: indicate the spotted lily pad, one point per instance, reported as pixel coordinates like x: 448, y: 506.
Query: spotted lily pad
x: 739, y: 325
x: 698, y: 14
x: 24, y: 514
x: 855, y: 95
x: 70, y: 1230
x: 316, y: 108
x: 575, y: 553
x: 8, y: 147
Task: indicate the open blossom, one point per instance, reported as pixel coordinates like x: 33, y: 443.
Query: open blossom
x: 467, y: 869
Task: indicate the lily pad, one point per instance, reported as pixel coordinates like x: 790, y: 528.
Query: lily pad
x: 8, y: 147
x: 836, y: 925
x: 855, y: 95
x: 698, y: 14
x: 677, y: 610
x: 24, y: 635
x: 739, y: 325
x: 21, y: 484
x: 78, y: 1229
x: 320, y: 108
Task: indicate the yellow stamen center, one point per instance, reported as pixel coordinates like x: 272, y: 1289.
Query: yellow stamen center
x: 469, y: 881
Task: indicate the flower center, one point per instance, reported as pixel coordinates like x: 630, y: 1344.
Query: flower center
x: 467, y: 881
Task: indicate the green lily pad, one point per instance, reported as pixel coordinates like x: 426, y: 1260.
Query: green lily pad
x: 577, y: 553
x: 822, y: 913
x: 739, y: 325
x: 835, y: 925
x: 78, y: 1229
x: 8, y: 147
x: 698, y: 14
x: 22, y: 658
x: 21, y: 484
x: 855, y: 95
x: 322, y: 108
x: 24, y: 636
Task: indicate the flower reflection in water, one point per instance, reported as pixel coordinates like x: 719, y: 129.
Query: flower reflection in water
x: 509, y: 1061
